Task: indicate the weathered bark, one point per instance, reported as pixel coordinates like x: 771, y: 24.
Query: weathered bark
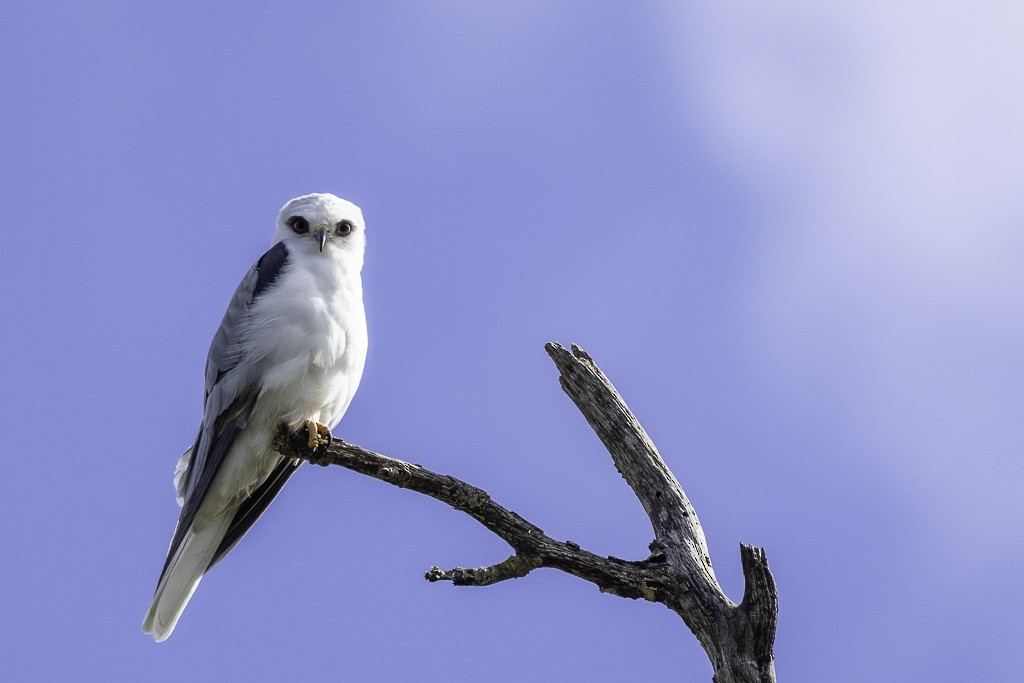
x: 737, y: 638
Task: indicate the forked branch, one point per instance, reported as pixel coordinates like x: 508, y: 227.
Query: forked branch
x: 738, y: 639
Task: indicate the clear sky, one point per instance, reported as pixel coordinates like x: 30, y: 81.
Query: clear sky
x: 792, y: 236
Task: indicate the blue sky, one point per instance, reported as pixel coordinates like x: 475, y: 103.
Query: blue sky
x: 791, y: 235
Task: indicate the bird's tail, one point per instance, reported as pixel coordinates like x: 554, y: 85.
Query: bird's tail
x: 182, y: 575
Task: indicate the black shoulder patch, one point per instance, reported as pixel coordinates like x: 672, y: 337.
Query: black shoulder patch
x: 268, y: 268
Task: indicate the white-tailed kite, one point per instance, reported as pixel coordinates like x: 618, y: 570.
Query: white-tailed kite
x: 290, y: 350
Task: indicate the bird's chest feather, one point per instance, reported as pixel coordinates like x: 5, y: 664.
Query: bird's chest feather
x: 310, y: 330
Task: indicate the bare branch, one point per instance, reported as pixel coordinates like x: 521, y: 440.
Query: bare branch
x: 533, y: 547
x: 674, y: 520
x: 738, y: 639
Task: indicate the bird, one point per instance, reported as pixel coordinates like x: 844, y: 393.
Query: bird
x: 290, y: 350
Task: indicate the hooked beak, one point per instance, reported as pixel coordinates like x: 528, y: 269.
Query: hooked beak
x: 321, y: 237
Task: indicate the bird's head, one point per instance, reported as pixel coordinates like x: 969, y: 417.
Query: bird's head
x: 323, y: 223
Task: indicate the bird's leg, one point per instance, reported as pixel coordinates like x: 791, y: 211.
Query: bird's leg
x: 317, y: 433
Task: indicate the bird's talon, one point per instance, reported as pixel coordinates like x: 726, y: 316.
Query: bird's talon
x: 324, y: 432
x: 312, y: 428
x: 319, y: 435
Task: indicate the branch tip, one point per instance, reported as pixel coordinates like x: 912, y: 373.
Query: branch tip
x: 514, y: 567
x: 759, y: 611
x: 582, y: 355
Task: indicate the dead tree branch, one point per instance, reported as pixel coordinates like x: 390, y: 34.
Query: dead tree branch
x: 738, y: 639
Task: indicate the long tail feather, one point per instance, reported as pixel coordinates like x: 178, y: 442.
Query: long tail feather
x: 183, y: 573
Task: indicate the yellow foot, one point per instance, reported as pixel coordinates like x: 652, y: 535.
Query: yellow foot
x: 317, y: 433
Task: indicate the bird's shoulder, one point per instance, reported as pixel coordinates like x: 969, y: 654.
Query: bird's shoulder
x: 268, y: 269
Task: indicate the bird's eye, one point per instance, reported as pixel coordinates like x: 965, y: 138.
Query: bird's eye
x: 299, y: 224
x: 345, y: 227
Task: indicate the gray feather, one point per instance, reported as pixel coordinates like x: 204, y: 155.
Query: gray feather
x: 228, y: 401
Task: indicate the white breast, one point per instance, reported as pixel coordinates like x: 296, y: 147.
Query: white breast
x: 310, y: 330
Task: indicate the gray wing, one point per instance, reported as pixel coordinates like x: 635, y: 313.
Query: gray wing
x: 227, y: 405
x: 223, y: 356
